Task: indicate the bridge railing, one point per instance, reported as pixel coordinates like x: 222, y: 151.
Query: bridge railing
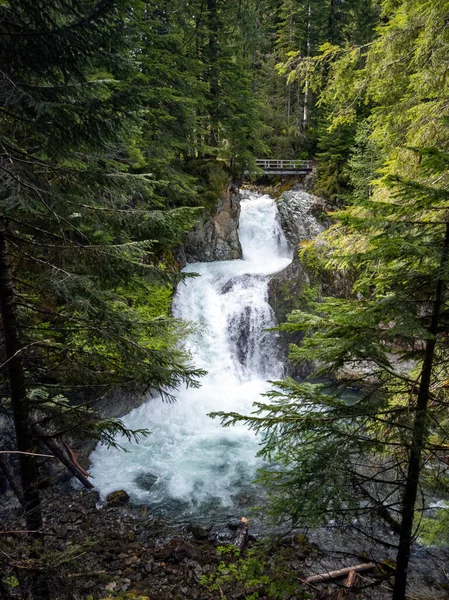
x: 268, y: 163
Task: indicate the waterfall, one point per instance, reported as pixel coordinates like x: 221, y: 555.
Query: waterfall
x: 190, y: 464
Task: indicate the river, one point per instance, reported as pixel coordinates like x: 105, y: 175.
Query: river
x: 190, y: 467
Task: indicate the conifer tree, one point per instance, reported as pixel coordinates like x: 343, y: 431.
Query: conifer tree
x: 84, y: 295
x: 340, y: 458
x: 389, y: 335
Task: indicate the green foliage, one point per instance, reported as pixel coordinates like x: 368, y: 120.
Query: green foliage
x: 365, y: 162
x: 309, y: 37
x: 434, y: 531
x: 89, y: 226
x: 333, y: 150
x: 253, y: 574
x: 331, y: 456
x: 11, y: 581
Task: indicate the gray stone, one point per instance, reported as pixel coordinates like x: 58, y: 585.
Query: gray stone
x: 149, y: 566
x: 216, y: 237
x: 302, y: 216
x: 146, y: 481
x: 198, y: 532
x: 233, y: 525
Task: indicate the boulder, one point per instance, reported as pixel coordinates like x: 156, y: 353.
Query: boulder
x: 302, y: 216
x: 118, y: 498
x: 146, y: 481
x: 199, y: 532
x: 216, y: 237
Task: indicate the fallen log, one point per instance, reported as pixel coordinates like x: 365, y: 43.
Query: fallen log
x: 61, y: 454
x: 350, y: 582
x: 340, y: 573
x: 74, y: 458
x: 241, y: 537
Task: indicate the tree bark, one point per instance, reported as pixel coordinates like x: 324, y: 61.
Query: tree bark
x: 5, y: 467
x: 213, y: 74
x: 305, y: 115
x: 61, y: 454
x: 19, y: 400
x: 419, y: 437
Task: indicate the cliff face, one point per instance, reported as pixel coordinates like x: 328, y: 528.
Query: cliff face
x: 302, y: 218
x: 301, y: 215
x: 216, y: 238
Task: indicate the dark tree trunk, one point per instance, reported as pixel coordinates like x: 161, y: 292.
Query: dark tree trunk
x: 5, y: 467
x: 419, y: 437
x: 17, y: 387
x: 213, y: 68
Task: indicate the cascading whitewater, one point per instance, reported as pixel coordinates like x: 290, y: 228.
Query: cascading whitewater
x: 190, y: 463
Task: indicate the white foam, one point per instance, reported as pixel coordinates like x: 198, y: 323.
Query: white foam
x: 193, y: 457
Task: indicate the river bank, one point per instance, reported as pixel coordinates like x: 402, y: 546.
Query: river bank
x: 98, y: 551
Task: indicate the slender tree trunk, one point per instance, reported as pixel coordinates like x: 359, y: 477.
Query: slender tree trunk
x: 305, y: 115
x: 214, y: 69
x: 19, y: 400
x: 420, y: 433
x: 5, y: 467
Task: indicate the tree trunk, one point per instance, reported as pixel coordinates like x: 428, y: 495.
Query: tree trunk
x: 241, y: 537
x: 305, y: 115
x: 419, y: 438
x: 5, y: 467
x: 19, y: 399
x: 213, y: 69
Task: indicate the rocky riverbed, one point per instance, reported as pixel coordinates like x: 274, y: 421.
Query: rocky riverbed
x: 117, y: 550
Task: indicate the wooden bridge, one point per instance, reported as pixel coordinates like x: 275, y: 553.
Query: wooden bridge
x: 284, y: 167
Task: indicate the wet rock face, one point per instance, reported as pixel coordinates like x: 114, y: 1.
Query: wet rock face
x: 216, y: 238
x: 302, y: 216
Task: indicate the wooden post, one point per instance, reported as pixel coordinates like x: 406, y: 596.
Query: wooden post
x: 241, y: 537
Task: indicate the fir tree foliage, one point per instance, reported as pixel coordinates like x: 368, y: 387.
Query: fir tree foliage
x: 84, y: 227
x: 389, y: 336
x: 338, y: 458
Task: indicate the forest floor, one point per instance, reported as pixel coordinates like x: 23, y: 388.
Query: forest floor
x: 117, y: 552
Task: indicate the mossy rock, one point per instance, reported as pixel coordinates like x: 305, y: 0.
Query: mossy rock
x: 118, y: 498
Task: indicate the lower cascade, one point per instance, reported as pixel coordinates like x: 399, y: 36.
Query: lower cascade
x: 190, y: 465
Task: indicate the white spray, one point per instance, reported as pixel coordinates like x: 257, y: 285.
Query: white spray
x: 189, y: 462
